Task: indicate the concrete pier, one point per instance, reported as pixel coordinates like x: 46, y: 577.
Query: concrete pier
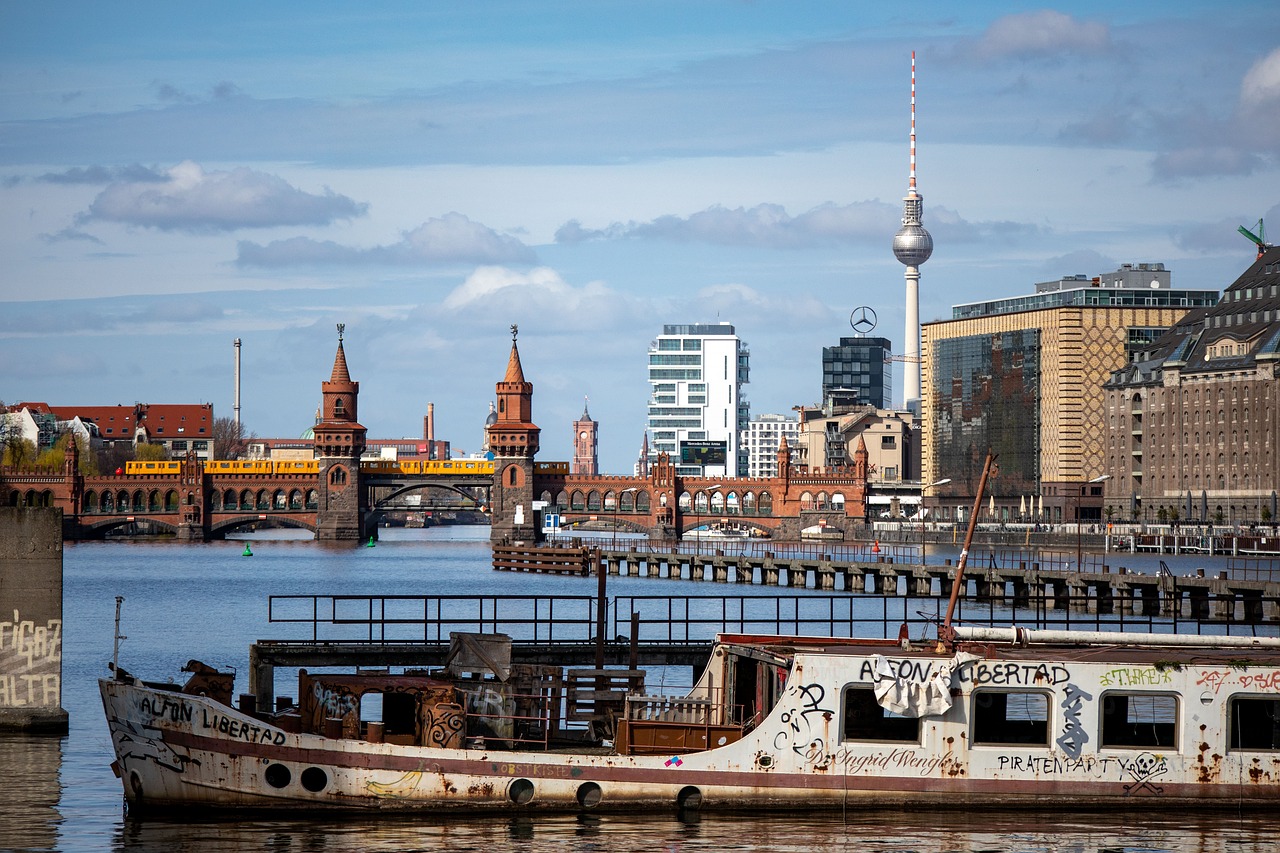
x: 31, y: 620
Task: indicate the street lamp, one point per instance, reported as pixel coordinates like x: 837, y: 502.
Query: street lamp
x: 697, y: 516
x: 924, y: 557
x: 1079, y: 541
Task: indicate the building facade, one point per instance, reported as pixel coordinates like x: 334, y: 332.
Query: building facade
x: 1023, y: 377
x: 1193, y: 422
x: 761, y: 441
x: 697, y: 409
x: 858, y: 372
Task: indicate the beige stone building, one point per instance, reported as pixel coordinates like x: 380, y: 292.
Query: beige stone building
x: 1023, y: 377
x: 1193, y: 422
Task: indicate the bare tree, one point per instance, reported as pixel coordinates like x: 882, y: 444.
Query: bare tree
x: 230, y: 441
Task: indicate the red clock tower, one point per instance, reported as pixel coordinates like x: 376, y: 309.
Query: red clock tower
x: 585, y: 447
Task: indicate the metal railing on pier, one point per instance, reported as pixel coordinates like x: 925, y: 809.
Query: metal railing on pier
x: 696, y: 619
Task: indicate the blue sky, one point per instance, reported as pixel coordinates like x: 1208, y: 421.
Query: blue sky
x: 173, y: 177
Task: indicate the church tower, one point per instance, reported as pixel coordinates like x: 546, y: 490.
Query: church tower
x: 585, y: 460
x: 513, y: 441
x: 339, y: 443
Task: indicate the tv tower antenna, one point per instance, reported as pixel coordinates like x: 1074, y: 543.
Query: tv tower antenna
x: 912, y: 246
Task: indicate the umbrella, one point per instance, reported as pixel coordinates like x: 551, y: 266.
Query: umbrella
x: 1188, y: 506
x: 1204, y: 506
x: 991, y: 505
x: 1022, y: 505
x: 1040, y: 511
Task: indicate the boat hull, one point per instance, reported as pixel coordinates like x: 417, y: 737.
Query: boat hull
x: 180, y: 751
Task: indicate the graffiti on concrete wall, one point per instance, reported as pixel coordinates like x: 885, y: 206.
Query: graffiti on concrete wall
x: 30, y: 662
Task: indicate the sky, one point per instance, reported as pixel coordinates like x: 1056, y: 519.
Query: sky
x: 175, y: 176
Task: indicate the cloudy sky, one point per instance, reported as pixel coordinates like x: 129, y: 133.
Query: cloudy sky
x: 174, y: 176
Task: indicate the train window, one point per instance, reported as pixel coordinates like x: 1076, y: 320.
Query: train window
x: 1139, y: 720
x: 1010, y: 716
x: 1254, y: 723
x: 864, y: 719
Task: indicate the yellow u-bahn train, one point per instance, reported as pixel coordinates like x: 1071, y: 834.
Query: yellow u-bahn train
x: 445, y: 467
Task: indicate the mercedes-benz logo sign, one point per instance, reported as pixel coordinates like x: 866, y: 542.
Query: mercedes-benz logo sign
x: 863, y: 319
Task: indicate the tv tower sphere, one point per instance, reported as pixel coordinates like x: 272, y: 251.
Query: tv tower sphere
x: 912, y: 245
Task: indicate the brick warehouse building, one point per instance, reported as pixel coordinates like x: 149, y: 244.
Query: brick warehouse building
x: 1193, y: 422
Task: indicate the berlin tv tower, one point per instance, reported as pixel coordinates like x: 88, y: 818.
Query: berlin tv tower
x: 912, y: 246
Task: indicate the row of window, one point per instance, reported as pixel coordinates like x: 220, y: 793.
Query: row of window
x: 1016, y: 717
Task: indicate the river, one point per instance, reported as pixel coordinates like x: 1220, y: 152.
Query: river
x: 209, y: 602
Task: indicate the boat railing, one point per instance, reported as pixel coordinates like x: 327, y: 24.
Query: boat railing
x: 676, y: 709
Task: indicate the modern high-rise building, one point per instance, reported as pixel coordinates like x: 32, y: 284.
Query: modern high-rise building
x: 857, y: 373
x: 697, y: 410
x: 1023, y: 377
x: 761, y: 440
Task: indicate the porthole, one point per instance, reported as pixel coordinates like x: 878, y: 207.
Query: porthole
x: 520, y: 791
x: 314, y: 779
x: 277, y: 775
x: 689, y: 799
x: 589, y: 795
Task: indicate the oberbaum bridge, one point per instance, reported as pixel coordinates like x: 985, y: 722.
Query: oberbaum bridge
x: 341, y: 500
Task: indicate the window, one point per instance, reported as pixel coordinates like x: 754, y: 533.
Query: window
x: 888, y: 441
x: 1139, y: 720
x: 1007, y: 716
x: 1254, y: 723
x: 864, y: 719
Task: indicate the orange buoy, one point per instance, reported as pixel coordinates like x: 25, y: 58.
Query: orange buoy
x: 875, y: 548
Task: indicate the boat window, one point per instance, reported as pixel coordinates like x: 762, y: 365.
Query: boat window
x: 1139, y: 719
x: 1255, y: 723
x: 864, y: 719
x: 1008, y: 716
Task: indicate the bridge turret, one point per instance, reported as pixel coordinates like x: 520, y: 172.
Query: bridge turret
x: 513, y: 441
x: 339, y: 442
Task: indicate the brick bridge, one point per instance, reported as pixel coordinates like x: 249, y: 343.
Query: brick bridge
x: 341, y: 498
x: 198, y: 505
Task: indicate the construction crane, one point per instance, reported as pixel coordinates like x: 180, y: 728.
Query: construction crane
x: 1259, y: 239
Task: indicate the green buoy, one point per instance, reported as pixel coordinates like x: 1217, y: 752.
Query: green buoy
x: 247, y: 552
x: 369, y: 544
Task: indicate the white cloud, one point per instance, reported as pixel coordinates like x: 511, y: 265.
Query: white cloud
x: 762, y: 226
x: 1261, y: 84
x: 452, y: 238
x: 191, y: 199
x: 1044, y: 34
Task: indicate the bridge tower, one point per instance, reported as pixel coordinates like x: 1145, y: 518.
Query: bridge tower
x: 513, y: 441
x: 339, y: 442
x: 191, y: 501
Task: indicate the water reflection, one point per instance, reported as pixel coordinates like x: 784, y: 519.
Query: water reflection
x: 889, y: 831
x: 30, y: 770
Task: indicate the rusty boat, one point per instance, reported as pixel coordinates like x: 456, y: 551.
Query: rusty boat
x: 996, y: 716
x: 976, y: 716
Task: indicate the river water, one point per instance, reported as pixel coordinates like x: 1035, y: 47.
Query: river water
x: 210, y: 602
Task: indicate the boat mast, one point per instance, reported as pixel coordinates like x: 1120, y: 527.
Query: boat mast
x: 115, y: 647
x: 945, y: 632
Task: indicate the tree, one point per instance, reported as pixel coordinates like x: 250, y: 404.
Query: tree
x: 147, y: 452
x: 230, y: 441
x: 87, y: 463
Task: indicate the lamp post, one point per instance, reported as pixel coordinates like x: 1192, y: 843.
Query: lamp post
x: 924, y: 557
x: 1079, y: 540
x: 697, y: 516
